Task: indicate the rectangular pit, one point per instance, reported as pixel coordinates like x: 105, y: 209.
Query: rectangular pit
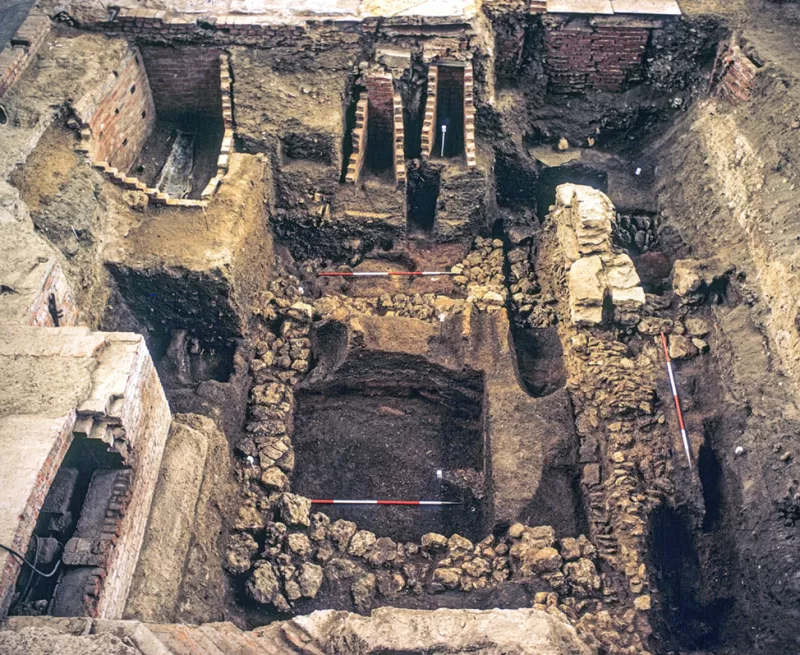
x: 359, y: 440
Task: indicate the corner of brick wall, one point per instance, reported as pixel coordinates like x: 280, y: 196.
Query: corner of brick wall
x: 95, y: 149
x: 18, y: 53
x: 428, y: 137
x: 116, y: 124
x: 355, y: 163
x: 54, y: 284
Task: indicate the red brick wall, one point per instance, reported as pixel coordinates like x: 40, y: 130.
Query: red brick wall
x: 380, y: 121
x: 583, y: 57
x: 734, y: 74
x: 509, y: 41
x: 184, y: 80
x: 122, y: 117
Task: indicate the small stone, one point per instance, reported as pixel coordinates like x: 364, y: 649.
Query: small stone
x: 249, y: 518
x: 361, y: 543
x: 384, y: 550
x: 697, y: 327
x: 363, y: 591
x: 570, y: 549
x: 544, y: 560
x: 341, y: 533
x: 310, y: 579
x: 563, y: 144
x: 642, y: 603
x: 320, y: 524
x: 458, y: 546
x: 433, y: 541
x: 274, y: 478
x: 447, y: 577
x: 681, y: 347
x: 700, y: 344
x: 476, y: 567
x: 294, y: 509
x: 263, y: 585
x: 292, y: 590
x: 241, y: 549
x: 298, y: 544
x: 516, y: 530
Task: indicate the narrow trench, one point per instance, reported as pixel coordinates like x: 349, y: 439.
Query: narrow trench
x: 422, y: 193
x: 450, y: 112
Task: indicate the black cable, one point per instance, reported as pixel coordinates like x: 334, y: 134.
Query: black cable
x: 26, y: 562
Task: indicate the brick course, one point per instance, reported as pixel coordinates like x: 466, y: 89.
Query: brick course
x: 734, y: 74
x: 429, y: 119
x: 184, y: 80
x: 23, y: 46
x: 359, y: 139
x: 581, y: 56
x: 469, y: 117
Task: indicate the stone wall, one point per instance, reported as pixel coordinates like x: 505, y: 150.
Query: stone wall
x: 596, y: 268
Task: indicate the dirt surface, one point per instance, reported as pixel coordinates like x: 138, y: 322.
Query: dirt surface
x: 384, y: 447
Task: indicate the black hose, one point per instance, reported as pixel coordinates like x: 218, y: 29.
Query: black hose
x: 27, y: 563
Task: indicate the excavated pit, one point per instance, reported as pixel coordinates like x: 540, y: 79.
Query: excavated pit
x: 383, y: 431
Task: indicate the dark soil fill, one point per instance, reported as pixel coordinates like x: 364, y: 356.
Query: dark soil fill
x: 540, y: 360
x: 355, y: 446
x: 693, y: 616
x: 422, y: 194
x: 206, y: 132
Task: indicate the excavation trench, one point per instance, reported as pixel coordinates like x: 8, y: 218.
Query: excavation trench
x: 381, y: 429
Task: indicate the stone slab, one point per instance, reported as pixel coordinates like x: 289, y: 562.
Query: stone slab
x: 579, y: 7
x: 651, y: 7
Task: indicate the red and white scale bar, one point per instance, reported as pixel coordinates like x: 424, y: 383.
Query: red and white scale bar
x: 382, y: 273
x: 684, y: 435
x: 382, y: 502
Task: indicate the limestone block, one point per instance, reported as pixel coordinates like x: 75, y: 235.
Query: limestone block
x: 587, y: 290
